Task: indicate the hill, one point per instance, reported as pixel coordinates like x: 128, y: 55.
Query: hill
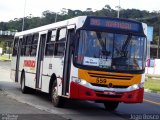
x: 151, y: 18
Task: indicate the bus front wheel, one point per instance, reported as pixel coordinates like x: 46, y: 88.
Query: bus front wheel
x: 111, y: 105
x: 57, y: 100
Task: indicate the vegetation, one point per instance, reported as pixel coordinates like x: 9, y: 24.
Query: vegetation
x: 5, y: 57
x: 151, y: 18
x: 153, y: 85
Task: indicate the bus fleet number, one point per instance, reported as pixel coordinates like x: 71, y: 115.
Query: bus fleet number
x: 101, y: 80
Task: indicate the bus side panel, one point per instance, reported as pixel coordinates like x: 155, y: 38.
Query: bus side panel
x: 20, y: 68
x: 57, y: 68
x: 45, y: 74
x: 45, y: 83
x: 30, y: 79
x: 30, y: 70
x: 13, y: 68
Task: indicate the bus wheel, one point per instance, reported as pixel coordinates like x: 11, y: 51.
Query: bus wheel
x: 111, y: 105
x: 24, y: 89
x: 57, y: 101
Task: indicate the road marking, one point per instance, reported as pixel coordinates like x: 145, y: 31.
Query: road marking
x: 151, y: 102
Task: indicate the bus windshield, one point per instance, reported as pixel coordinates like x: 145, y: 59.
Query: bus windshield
x: 110, y: 50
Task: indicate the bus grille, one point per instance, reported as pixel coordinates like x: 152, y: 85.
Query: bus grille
x: 109, y: 96
x: 114, y: 86
x: 116, y: 77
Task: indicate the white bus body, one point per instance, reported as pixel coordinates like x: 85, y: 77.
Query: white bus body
x: 47, y: 59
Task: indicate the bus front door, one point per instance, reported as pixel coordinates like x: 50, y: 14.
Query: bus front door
x: 40, y: 58
x: 18, y: 59
x: 67, y: 61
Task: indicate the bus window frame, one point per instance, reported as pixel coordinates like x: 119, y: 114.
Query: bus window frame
x: 50, y: 42
x: 17, y: 40
x: 29, y: 36
x: 57, y: 42
x: 34, y: 44
x: 23, y: 46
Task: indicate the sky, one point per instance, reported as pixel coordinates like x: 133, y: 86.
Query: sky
x: 11, y: 9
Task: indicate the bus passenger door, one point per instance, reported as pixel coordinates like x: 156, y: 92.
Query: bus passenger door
x: 40, y: 58
x: 18, y: 59
x: 67, y: 60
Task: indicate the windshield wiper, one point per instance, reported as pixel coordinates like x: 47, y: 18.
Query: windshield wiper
x: 124, y: 51
x: 103, y: 45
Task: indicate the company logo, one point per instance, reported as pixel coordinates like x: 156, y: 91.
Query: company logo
x: 29, y: 63
x: 110, y: 85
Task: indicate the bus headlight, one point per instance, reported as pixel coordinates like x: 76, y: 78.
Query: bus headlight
x: 76, y: 80
x: 137, y: 86
x: 83, y: 82
x: 79, y: 81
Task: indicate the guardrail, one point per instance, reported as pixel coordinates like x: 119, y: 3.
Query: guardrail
x: 7, y: 33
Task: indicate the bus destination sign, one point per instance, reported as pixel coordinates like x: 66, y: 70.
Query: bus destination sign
x: 115, y: 24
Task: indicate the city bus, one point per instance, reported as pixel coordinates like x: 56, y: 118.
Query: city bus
x: 99, y: 59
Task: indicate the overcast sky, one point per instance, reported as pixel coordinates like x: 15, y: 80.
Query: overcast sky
x: 10, y: 9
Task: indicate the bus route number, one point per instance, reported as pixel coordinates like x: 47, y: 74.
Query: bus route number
x: 101, y: 80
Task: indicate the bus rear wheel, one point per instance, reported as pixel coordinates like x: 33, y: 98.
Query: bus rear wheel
x: 57, y: 100
x: 24, y: 89
x: 111, y: 105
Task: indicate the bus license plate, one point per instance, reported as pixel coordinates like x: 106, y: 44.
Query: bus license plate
x: 109, y: 93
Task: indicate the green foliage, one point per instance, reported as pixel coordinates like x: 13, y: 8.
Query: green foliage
x: 153, y: 84
x: 151, y: 18
x: 3, y: 45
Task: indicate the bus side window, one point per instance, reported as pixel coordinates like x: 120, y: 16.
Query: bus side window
x: 28, y: 45
x: 15, y: 47
x: 51, y: 37
x: 60, y: 43
x: 23, y: 46
x: 34, y: 44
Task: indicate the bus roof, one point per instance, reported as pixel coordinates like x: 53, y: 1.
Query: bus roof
x: 72, y: 21
x: 78, y: 21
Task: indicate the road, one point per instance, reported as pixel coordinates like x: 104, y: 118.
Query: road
x: 80, y: 110
x: 12, y: 109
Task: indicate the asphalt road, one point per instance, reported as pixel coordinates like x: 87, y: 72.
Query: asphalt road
x: 13, y: 109
x: 79, y: 110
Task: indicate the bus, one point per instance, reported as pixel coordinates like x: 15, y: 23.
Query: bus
x: 99, y: 59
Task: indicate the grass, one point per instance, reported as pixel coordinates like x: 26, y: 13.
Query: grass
x: 153, y: 85
x: 5, y: 57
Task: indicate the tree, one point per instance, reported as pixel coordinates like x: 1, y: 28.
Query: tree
x: 151, y: 18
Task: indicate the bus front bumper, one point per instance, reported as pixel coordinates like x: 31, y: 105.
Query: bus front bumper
x: 78, y: 91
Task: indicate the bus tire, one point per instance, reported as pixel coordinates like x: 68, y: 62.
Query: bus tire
x: 24, y: 89
x: 57, y: 100
x: 111, y: 105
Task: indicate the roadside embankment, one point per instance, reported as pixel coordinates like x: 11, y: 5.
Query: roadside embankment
x: 152, y: 83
